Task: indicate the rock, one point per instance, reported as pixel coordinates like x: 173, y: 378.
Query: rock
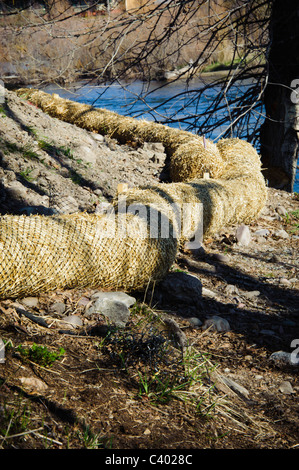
x: 98, y: 192
x: 243, y: 235
x: 281, y: 234
x: 230, y: 289
x: 83, y: 301
x: 251, y: 294
x: 281, y: 210
x: 216, y: 323
x: 264, y: 232
x: 33, y: 385
x: 208, y: 293
x: 86, y: 154
x: 30, y: 302
x: 237, y: 388
x: 116, y: 296
x: 286, y: 388
x: 195, y: 322
x: 221, y: 258
x: 73, y: 320
x: 58, y: 307
x: 267, y: 332
x: 116, y: 313
x: 98, y: 137
x: 284, y: 281
x: 181, y: 287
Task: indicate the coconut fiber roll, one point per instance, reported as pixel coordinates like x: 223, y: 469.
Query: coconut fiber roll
x: 125, y: 249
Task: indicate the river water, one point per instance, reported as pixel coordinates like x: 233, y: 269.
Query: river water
x: 168, y: 101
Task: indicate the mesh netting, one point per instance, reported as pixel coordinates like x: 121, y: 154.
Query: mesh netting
x: 120, y: 250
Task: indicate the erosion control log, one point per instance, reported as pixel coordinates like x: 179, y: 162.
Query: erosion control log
x: 137, y: 242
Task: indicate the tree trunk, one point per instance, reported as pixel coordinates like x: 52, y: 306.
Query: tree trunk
x: 279, y: 136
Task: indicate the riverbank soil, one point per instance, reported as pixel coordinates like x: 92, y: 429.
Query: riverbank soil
x: 73, y: 382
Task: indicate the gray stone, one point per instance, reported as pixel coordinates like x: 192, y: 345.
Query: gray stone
x: 284, y: 281
x: 252, y: 294
x: 267, y: 332
x: 195, y: 322
x: 281, y: 210
x: 221, y: 258
x: 98, y: 137
x: 286, y: 388
x: 208, y: 293
x: 116, y: 296
x: 116, y: 313
x: 216, y: 323
x: 30, y: 301
x: 73, y: 320
x: 243, y: 235
x: 236, y: 387
x: 264, y: 232
x: 86, y: 154
x: 58, y: 307
x: 281, y: 234
x: 181, y: 287
x: 230, y: 289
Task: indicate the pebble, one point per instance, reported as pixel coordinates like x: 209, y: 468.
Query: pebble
x: 115, y: 312
x: 281, y: 234
x: 252, y: 294
x: 98, y: 137
x: 267, y: 332
x: 231, y: 289
x: 243, y: 235
x: 216, y: 323
x: 208, y: 293
x: 30, y: 301
x: 33, y: 385
x: 286, y: 388
x: 181, y: 287
x: 116, y: 296
x: 281, y: 210
x: 58, y: 307
x: 236, y: 387
x: 221, y: 258
x: 284, y: 281
x: 264, y: 232
x: 73, y: 320
x: 195, y: 322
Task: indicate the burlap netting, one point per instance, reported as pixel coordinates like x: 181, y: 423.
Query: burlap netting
x: 126, y: 250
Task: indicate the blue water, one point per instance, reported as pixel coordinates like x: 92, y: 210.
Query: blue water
x: 173, y: 101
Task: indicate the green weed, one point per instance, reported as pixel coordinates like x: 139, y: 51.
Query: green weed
x: 26, y: 174
x: 15, y: 421
x: 40, y: 354
x: 93, y: 440
x: 2, y: 111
